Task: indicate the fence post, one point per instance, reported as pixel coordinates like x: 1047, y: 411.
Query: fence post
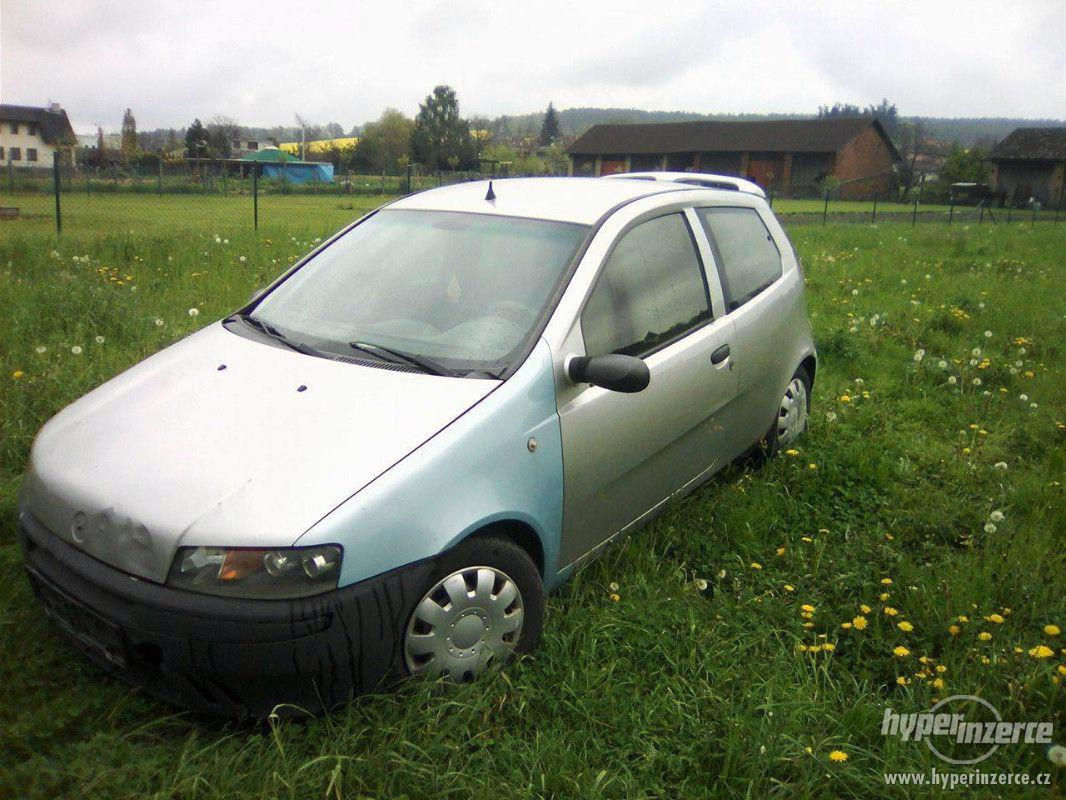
x: 1058, y: 208
x: 160, y: 189
x: 10, y: 176
x: 873, y: 214
x: 914, y: 214
x: 382, y: 181
x: 981, y: 219
x: 771, y: 203
x: 1010, y: 207
x: 410, y: 169
x: 88, y: 191
x: 55, y: 183
x: 825, y: 209
x: 1034, y: 214
x: 951, y: 209
x: 255, y: 196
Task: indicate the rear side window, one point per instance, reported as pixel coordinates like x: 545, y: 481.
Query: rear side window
x: 746, y: 253
x: 650, y: 292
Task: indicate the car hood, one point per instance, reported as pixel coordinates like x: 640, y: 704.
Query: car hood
x: 221, y: 440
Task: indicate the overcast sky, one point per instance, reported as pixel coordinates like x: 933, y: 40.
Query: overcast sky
x: 345, y: 60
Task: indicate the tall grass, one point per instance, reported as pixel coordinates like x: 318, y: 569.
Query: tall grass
x: 707, y: 676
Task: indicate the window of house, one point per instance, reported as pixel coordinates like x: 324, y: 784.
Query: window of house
x: 650, y: 292
x: 14, y: 127
x: 16, y: 154
x: 31, y: 153
x: 31, y: 129
x: 747, y: 256
x: 253, y: 145
x: 236, y: 144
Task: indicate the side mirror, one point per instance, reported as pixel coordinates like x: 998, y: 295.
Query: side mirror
x: 615, y: 372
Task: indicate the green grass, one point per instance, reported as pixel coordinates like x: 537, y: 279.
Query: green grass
x: 123, y: 213
x: 669, y: 691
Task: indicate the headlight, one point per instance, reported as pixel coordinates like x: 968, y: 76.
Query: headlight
x: 258, y: 574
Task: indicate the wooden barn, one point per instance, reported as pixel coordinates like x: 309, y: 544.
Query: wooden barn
x: 1030, y: 163
x: 786, y: 156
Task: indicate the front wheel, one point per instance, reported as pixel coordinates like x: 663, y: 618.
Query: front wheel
x: 483, y: 603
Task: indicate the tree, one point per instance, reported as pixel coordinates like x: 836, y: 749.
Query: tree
x: 965, y: 165
x: 221, y: 133
x: 549, y: 129
x: 441, y: 138
x: 334, y: 130
x: 196, y: 145
x: 129, y: 136
x: 386, y: 141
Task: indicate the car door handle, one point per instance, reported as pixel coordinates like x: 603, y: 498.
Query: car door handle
x: 720, y: 355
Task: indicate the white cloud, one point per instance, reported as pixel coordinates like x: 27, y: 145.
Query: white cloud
x: 344, y: 61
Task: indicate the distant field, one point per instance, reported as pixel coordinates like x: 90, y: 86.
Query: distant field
x: 909, y: 548
x: 210, y: 213
x: 145, y: 212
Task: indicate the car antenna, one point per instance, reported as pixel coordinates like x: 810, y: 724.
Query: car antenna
x: 490, y: 195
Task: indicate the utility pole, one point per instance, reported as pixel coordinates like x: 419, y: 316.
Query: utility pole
x: 303, y: 145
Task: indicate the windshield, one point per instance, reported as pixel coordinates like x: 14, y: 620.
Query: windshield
x: 464, y: 290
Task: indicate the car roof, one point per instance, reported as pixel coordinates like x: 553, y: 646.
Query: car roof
x: 578, y: 200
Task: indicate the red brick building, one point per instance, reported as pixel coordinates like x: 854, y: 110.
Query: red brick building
x: 785, y: 156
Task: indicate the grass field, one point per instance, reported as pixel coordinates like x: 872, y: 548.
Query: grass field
x: 145, y: 212
x: 728, y: 650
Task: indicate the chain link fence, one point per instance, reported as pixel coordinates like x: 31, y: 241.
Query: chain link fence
x: 212, y: 196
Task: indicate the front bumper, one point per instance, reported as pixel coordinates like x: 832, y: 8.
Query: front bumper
x: 223, y: 656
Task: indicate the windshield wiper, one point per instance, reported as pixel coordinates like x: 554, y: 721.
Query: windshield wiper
x: 275, y: 334
x: 400, y: 357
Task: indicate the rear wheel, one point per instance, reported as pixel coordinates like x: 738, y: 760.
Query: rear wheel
x: 793, y: 414
x: 482, y: 604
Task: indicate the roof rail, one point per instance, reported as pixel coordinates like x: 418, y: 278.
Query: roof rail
x: 705, y: 179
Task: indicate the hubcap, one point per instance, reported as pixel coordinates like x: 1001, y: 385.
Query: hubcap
x: 792, y: 415
x: 463, y: 623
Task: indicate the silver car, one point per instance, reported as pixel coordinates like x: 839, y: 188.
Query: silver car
x: 380, y: 465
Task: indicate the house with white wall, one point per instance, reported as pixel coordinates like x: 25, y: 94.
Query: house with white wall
x: 29, y: 135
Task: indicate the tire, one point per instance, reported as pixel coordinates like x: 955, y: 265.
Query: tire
x: 782, y: 435
x: 482, y: 603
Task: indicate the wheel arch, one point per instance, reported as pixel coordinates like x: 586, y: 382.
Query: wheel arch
x: 514, y: 530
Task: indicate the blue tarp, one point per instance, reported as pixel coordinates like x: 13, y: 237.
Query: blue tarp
x: 300, y: 172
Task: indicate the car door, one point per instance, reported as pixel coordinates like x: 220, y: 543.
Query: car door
x: 623, y: 454
x: 766, y: 307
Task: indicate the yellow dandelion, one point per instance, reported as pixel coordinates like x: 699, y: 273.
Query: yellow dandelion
x: 938, y: 683
x: 801, y: 648
x: 1018, y: 650
x: 986, y: 660
x: 838, y: 756
x: 900, y: 651
x: 792, y: 452
x: 905, y: 626
x: 859, y: 623
x: 996, y: 618
x: 846, y: 626
x: 814, y: 648
x: 1052, y: 630
x: 865, y: 609
x: 829, y: 647
x: 1041, y: 651
x: 902, y: 680
x: 963, y: 618
x: 755, y: 565
x: 941, y: 668
x: 890, y: 611
x: 886, y: 581
x: 1062, y: 669
x: 812, y: 465
x: 883, y: 596
x: 789, y: 587
x: 807, y: 607
x: 780, y: 551
x: 17, y: 374
x: 615, y: 598
x: 844, y: 398
x: 984, y: 636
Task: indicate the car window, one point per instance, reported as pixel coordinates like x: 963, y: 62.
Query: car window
x: 650, y: 291
x: 747, y: 256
